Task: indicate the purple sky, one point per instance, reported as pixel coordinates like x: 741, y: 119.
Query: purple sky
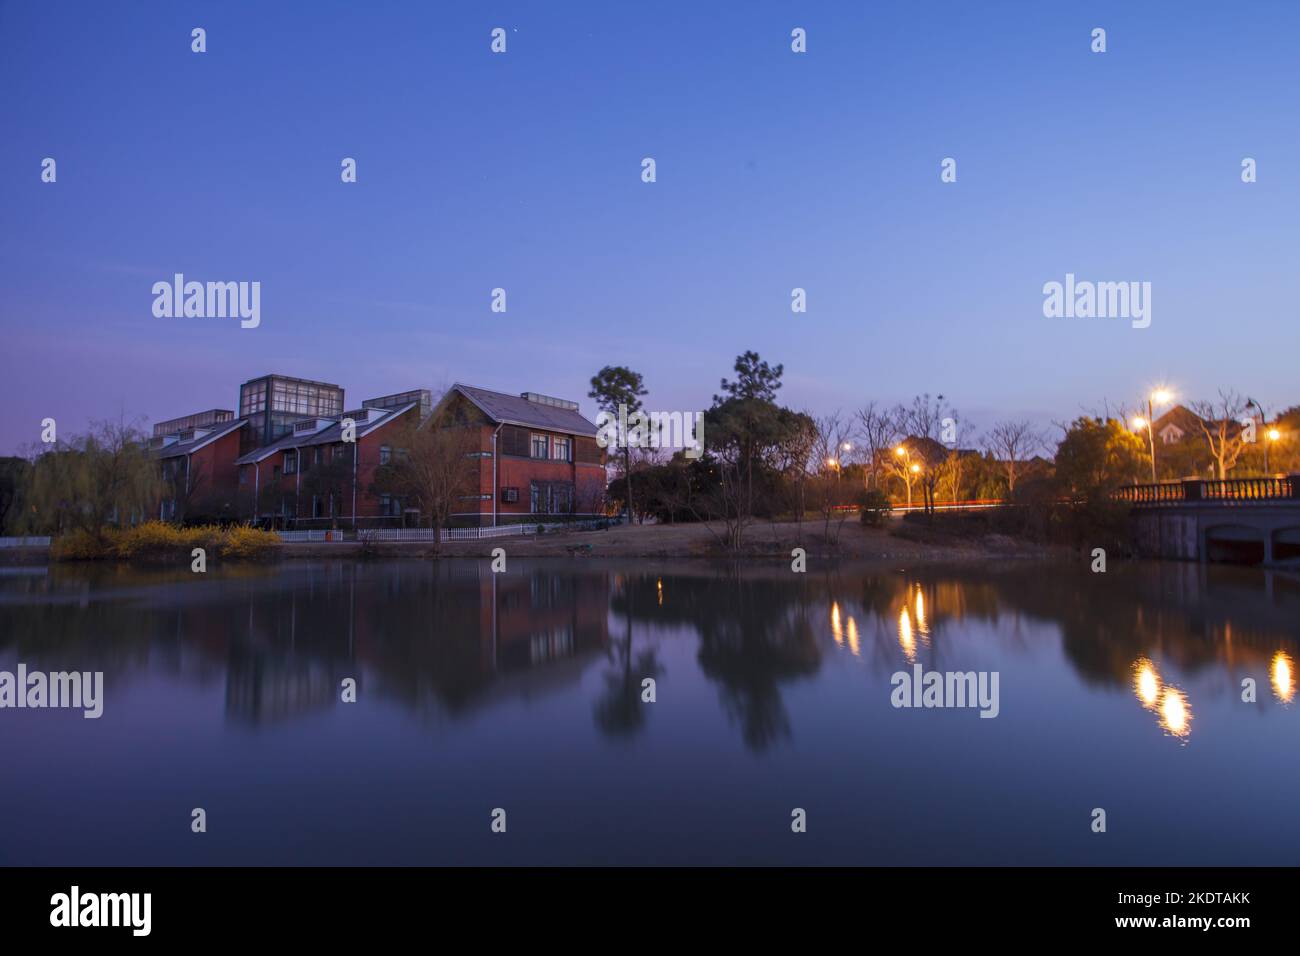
x: 775, y: 170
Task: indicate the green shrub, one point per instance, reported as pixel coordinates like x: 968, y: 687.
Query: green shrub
x: 875, y: 507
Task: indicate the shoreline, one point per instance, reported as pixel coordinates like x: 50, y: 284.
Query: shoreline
x: 765, y: 542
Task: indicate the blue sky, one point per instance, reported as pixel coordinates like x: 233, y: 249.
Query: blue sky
x: 522, y: 170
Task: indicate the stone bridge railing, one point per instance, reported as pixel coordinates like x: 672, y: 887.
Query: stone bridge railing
x: 1233, y: 491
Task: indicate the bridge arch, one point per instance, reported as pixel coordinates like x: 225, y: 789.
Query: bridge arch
x: 1286, y: 543
x: 1236, y: 544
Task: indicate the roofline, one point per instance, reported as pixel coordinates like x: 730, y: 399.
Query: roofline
x: 266, y: 451
x: 225, y: 429
x: 460, y: 387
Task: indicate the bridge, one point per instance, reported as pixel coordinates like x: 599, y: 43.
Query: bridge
x: 1247, y: 520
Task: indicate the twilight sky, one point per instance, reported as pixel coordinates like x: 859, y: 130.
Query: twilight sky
x: 775, y: 170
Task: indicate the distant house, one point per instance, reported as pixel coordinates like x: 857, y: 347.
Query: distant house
x: 1176, y: 424
x: 537, y: 457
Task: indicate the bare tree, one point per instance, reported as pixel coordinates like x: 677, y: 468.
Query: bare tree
x: 951, y: 473
x: 1010, y: 443
x: 877, y: 431
x: 931, y: 427
x: 1222, y: 424
x: 435, y: 467
x: 830, y: 436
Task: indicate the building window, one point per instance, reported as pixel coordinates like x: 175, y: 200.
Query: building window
x: 561, y: 449
x: 389, y: 506
x: 275, y: 472
x: 541, y: 446
x: 290, y: 462
x: 385, y: 455
x: 550, y: 497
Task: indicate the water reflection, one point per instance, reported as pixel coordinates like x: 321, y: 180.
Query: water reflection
x: 1281, y: 675
x: 1169, y: 703
x: 905, y: 639
x: 450, y: 638
x: 1175, y: 714
x: 534, y: 689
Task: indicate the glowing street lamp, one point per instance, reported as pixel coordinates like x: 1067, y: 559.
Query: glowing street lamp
x: 1161, y: 396
x: 1272, y: 436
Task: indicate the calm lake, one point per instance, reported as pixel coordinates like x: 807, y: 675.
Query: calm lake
x: 524, y: 691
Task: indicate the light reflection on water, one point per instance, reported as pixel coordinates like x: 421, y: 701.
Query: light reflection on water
x: 528, y: 686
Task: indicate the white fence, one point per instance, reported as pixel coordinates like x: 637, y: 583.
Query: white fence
x: 29, y: 542
x: 289, y: 537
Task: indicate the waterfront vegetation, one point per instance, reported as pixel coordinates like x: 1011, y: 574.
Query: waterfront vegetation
x: 162, y: 542
x: 762, y: 462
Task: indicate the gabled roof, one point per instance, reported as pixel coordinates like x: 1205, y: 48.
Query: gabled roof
x: 326, y: 436
x: 516, y: 410
x: 193, y: 444
x: 1180, y: 416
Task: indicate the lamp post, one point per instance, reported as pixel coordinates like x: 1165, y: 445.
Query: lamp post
x: 1159, y: 397
x: 1271, y: 435
x: 1137, y: 424
x: 901, y: 452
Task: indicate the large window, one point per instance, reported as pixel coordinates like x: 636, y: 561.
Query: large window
x: 290, y: 462
x: 385, y: 454
x: 561, y: 449
x: 551, y: 497
x: 541, y: 446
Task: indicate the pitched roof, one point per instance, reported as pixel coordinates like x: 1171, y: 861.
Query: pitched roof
x: 197, y: 441
x: 326, y: 436
x: 516, y: 410
x: 1181, y: 416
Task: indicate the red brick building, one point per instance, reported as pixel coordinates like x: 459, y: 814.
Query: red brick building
x: 198, y: 469
x: 313, y: 478
x: 537, y: 457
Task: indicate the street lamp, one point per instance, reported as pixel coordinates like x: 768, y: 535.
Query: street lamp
x: 901, y: 452
x: 1161, y: 396
x: 1272, y: 436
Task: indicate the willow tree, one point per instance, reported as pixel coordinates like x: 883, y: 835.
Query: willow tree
x: 93, y: 481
